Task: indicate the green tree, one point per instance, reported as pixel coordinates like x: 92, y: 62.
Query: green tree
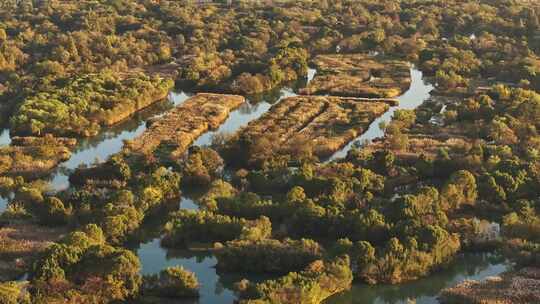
x: 459, y: 190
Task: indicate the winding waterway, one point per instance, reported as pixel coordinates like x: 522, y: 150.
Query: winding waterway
x: 102, y: 146
x: 216, y: 288
x: 154, y: 258
x: 418, y: 92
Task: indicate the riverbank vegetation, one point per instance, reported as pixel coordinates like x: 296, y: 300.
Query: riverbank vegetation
x: 395, y: 209
x: 88, y: 267
x: 34, y: 157
x: 314, y: 284
x: 268, y: 255
x: 201, y: 226
x: 358, y: 75
x: 177, y: 129
x: 301, y: 128
x: 21, y: 244
x: 81, y: 106
x: 172, y: 282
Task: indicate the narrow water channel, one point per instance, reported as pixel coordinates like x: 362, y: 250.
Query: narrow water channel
x: 418, y: 92
x: 5, y: 139
x: 99, y: 148
x: 109, y: 142
x: 216, y: 289
x: 470, y: 266
x: 154, y: 258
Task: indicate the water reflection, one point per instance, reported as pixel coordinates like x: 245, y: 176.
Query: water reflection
x: 154, y: 258
x: 216, y: 288
x: 410, y: 100
x: 202, y: 263
x: 237, y: 119
x: 254, y: 108
x: 110, y: 141
x: 5, y: 139
x: 469, y: 266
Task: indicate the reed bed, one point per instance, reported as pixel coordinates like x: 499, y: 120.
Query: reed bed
x: 359, y: 75
x: 181, y: 126
x: 34, y: 157
x: 320, y: 124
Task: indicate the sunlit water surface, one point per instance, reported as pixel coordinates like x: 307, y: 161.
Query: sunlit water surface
x: 418, y: 92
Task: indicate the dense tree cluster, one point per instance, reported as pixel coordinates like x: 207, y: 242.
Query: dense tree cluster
x: 121, y: 211
x: 202, y: 166
x: 174, y: 282
x: 83, y: 105
x: 268, y: 256
x: 91, y: 269
x: 203, y: 226
x: 393, y: 210
x: 314, y: 284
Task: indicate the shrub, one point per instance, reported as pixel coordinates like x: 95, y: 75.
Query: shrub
x: 174, y: 282
x: 271, y: 256
x: 318, y: 281
x: 204, y: 226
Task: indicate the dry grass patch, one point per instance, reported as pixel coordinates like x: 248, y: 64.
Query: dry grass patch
x: 305, y: 126
x: 181, y: 126
x: 34, y: 157
x: 522, y: 286
x: 359, y: 75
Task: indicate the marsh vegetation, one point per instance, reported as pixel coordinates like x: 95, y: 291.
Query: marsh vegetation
x: 274, y: 210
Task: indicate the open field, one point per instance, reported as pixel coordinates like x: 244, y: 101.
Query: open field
x: 358, y: 75
x: 314, y: 125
